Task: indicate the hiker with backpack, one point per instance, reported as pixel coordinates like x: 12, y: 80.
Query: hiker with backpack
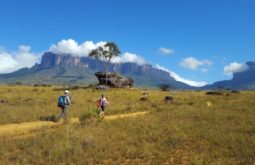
x: 63, y: 103
x: 103, y: 103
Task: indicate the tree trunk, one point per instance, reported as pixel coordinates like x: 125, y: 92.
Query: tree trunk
x: 107, y: 68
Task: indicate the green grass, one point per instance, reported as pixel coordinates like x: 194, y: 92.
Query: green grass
x: 184, y: 132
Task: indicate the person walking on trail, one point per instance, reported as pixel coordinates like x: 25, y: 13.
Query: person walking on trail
x: 63, y: 103
x: 103, y: 103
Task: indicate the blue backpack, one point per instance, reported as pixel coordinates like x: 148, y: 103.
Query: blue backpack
x: 61, y: 101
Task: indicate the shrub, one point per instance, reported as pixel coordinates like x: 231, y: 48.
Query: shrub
x: 89, y: 115
x: 164, y: 87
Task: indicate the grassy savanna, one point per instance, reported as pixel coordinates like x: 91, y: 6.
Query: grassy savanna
x: 187, y: 131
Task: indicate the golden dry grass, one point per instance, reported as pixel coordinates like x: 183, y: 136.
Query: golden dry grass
x: 195, y: 129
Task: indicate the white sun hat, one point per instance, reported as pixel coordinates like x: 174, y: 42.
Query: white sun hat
x: 66, y: 91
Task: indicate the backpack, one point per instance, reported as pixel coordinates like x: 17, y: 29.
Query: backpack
x: 98, y: 103
x: 61, y: 101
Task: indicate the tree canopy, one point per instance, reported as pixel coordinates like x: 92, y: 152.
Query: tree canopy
x: 105, y: 53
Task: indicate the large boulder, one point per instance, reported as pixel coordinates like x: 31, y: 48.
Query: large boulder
x: 114, y: 80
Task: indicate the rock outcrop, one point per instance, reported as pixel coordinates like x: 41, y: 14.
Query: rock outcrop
x: 114, y: 80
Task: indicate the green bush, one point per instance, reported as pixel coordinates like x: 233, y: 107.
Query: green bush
x: 89, y: 115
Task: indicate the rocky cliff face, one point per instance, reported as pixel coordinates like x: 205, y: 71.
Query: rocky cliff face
x: 50, y: 60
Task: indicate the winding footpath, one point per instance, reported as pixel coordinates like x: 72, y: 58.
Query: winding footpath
x: 26, y: 128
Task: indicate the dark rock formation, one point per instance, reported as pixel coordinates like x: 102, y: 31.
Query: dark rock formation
x: 169, y: 99
x: 143, y: 98
x: 114, y: 80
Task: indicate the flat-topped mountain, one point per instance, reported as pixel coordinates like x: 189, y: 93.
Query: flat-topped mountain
x: 68, y: 69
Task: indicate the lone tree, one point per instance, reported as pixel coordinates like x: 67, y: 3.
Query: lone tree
x: 164, y: 87
x: 105, y: 53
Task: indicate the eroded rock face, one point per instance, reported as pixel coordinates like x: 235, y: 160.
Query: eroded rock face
x: 114, y: 80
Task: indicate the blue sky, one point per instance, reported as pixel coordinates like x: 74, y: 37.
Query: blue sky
x: 195, y: 39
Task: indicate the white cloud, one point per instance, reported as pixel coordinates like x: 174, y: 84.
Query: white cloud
x: 181, y: 79
x: 7, y: 63
x: 70, y: 46
x: 235, y: 67
x: 165, y: 51
x: 193, y: 63
x: 10, y: 62
x: 129, y: 57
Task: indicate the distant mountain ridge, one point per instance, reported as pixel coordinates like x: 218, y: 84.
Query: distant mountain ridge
x: 68, y: 69
x: 62, y: 69
x: 244, y: 80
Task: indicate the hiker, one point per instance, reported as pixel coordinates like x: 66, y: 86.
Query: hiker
x: 103, y: 103
x: 63, y: 103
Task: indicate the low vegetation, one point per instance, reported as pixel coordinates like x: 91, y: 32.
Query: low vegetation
x: 164, y: 87
x: 195, y: 128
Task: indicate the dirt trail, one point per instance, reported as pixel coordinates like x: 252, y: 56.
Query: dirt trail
x: 23, y: 129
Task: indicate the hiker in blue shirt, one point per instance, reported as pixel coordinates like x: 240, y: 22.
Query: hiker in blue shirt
x: 63, y: 103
